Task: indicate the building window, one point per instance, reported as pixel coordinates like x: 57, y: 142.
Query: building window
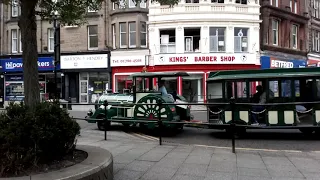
x: 20, y: 42
x: 192, y: 39
x: 122, y: 4
x: 217, y: 1
x: 241, y: 1
x: 123, y: 35
x: 315, y: 12
x: 168, y: 41
x: 217, y: 39
x: 192, y: 1
x: 92, y: 37
x: 14, y: 40
x: 240, y: 39
x: 274, y: 3
x: 143, y: 4
x: 114, y: 36
x: 294, y: 36
x: 143, y: 34
x: 132, y: 35
x: 89, y: 10
x: 317, y: 41
x: 113, y: 6
x: 50, y: 39
x: 132, y: 4
x: 275, y: 32
x: 295, y: 6
x: 14, y: 8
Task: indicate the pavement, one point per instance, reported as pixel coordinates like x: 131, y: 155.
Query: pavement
x: 141, y: 158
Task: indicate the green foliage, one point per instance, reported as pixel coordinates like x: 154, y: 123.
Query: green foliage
x: 29, y: 136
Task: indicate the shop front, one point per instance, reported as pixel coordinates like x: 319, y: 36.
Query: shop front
x: 199, y: 66
x: 125, y: 63
x: 268, y: 62
x: 86, y: 76
x: 13, y: 78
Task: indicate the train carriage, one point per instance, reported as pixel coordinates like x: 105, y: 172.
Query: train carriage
x: 291, y: 98
x: 137, y: 104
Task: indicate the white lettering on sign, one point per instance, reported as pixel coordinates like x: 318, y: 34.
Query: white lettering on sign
x: 281, y: 64
x: 12, y: 65
x: 127, y: 61
x: 205, y: 59
x: 84, y: 61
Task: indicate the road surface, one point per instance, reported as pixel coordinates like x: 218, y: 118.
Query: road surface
x: 255, y: 139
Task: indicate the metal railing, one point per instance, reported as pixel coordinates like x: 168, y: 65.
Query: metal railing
x: 231, y: 106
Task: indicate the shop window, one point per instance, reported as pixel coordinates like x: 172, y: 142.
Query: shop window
x: 168, y: 41
x: 217, y: 39
x: 92, y: 37
x: 93, y: 85
x: 240, y: 39
x: 192, y: 88
x: 192, y: 39
x: 241, y: 90
x: 132, y: 34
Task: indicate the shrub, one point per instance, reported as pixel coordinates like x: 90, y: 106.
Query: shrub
x: 31, y: 136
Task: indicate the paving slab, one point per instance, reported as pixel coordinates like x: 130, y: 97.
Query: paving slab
x: 146, y: 160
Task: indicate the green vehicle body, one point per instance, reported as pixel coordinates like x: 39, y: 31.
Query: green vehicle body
x: 277, y: 116
x: 122, y: 107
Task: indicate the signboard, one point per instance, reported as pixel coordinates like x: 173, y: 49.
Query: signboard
x: 85, y: 61
x: 212, y: 58
x: 128, y: 61
x: 268, y: 62
x: 16, y: 65
x: 313, y: 63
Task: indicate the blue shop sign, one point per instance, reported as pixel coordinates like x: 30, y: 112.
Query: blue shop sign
x: 15, y: 65
x: 268, y: 62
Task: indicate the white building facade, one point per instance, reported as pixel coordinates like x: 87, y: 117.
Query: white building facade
x: 199, y: 36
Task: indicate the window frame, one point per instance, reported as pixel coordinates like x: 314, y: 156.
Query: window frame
x: 114, y: 34
x: 277, y: 30
x: 241, y: 39
x: 134, y: 5
x: 20, y: 42
x: 143, y: 3
x: 15, y: 8
x: 276, y: 3
x: 134, y: 32
x: 49, y: 39
x: 125, y: 35
x: 92, y: 35
x: 295, y: 36
x: 143, y: 34
x: 224, y: 39
x: 14, y: 39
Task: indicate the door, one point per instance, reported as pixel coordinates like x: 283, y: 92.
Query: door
x: 84, y: 91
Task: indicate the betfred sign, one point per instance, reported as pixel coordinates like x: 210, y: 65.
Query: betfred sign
x: 128, y: 61
x: 177, y: 59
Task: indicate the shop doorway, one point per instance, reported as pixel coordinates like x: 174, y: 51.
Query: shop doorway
x: 192, y: 87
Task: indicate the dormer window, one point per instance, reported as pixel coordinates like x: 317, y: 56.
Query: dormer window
x: 217, y: 1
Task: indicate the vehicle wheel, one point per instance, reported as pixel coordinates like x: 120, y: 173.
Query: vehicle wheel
x: 240, y: 132
x: 306, y: 131
x: 101, y: 123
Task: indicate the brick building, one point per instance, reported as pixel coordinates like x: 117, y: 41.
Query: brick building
x: 284, y: 30
x: 313, y: 7
x: 84, y: 71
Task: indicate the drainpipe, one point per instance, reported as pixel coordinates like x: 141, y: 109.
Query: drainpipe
x: 1, y: 29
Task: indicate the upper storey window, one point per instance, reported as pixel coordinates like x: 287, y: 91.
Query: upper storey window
x: 217, y: 1
x: 241, y: 2
x: 122, y: 4
x: 192, y: 1
x: 315, y: 11
x: 274, y: 3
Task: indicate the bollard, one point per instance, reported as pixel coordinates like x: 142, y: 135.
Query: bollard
x: 159, y: 102
x: 105, y: 103
x: 233, y: 125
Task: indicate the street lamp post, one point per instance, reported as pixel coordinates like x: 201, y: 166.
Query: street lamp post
x: 56, y: 27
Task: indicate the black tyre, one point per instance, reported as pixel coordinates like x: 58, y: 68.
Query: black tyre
x: 101, y: 124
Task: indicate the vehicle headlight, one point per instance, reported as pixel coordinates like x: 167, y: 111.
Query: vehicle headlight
x: 89, y: 113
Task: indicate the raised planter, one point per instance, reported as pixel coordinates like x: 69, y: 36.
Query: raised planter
x: 98, y: 166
